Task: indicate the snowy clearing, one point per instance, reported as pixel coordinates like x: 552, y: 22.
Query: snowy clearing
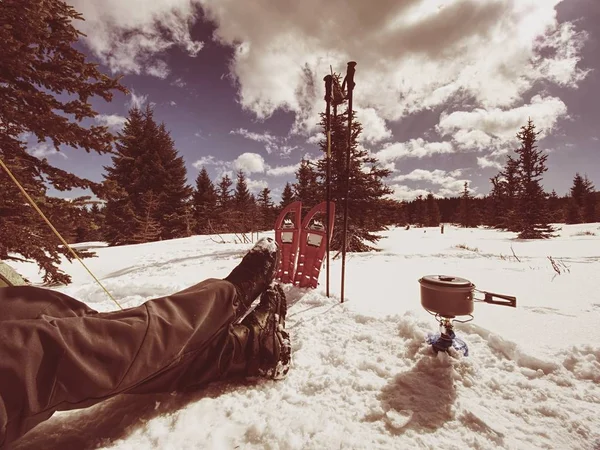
x: 363, y: 376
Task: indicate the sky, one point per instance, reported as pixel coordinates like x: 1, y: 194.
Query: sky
x: 442, y: 86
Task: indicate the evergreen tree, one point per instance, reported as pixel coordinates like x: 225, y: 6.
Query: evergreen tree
x: 583, y: 205
x: 511, y: 187
x: 555, y: 211
x: 145, y: 162
x: 306, y: 188
x: 533, y: 220
x: 266, y: 210
x: 170, y: 183
x: 433, y: 211
x: 224, y: 205
x: 365, y: 181
x: 39, y: 63
x: 466, y: 208
x: 204, y: 202
x: 419, y: 216
x: 148, y: 228
x: 287, y: 196
x: 242, y: 203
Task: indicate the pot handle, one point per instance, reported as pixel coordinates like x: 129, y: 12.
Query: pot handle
x: 507, y: 300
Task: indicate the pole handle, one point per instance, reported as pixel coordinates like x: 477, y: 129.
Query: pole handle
x: 328, y: 87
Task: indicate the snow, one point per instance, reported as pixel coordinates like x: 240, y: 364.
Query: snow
x: 362, y: 374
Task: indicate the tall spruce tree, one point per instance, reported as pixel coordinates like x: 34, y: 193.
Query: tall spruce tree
x: 532, y: 219
x: 242, y: 203
x: 46, y: 84
x: 582, y: 205
x: 307, y: 188
x: 466, y: 207
x: 145, y: 165
x: 266, y: 210
x: 419, y: 216
x: 287, y: 196
x: 433, y: 211
x: 204, y: 202
x: 224, y: 205
x: 366, y: 187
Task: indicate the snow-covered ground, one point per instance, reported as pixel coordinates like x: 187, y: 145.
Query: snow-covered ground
x: 363, y: 376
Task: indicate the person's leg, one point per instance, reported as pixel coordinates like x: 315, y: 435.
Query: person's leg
x: 29, y: 302
x: 170, y: 343
x: 53, y: 363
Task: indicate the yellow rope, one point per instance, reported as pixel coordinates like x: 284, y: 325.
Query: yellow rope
x: 12, y: 177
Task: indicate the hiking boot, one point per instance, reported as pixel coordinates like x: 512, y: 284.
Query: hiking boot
x: 270, y: 355
x: 256, y: 271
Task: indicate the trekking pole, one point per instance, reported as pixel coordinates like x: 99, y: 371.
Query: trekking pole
x: 349, y: 83
x: 328, y: 83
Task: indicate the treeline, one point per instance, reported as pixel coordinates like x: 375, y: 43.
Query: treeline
x: 145, y: 197
x: 516, y: 202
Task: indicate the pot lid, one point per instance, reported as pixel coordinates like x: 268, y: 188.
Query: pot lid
x: 446, y: 281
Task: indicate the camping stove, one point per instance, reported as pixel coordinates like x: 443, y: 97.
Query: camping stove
x: 447, y: 297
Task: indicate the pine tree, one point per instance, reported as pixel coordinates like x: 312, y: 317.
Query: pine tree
x: 583, y: 207
x: 242, y: 203
x: 287, y: 196
x: 433, y: 211
x: 365, y: 181
x: 466, y: 207
x: 204, y: 202
x: 555, y: 211
x: 511, y: 187
x: 266, y: 210
x: 145, y: 162
x: 174, y: 192
x: 533, y: 220
x: 306, y: 188
x: 148, y: 228
x: 39, y: 64
x: 419, y: 216
x: 224, y: 205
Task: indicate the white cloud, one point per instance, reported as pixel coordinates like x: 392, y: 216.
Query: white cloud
x: 114, y: 122
x: 172, y: 103
x: 412, y: 55
x: 266, y: 138
x: 128, y: 35
x: 158, y: 69
x: 415, y: 148
x: 137, y: 101
x: 282, y: 170
x: 594, y: 138
x: 249, y: 163
x: 407, y: 61
x: 374, y: 127
x: 494, y: 127
x: 43, y: 150
x: 488, y: 161
x: 403, y: 192
x: 255, y: 186
x: 272, y: 143
x: 179, y: 82
x: 448, y: 183
x: 207, y: 161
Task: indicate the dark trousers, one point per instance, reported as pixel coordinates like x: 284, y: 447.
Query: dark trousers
x: 56, y: 353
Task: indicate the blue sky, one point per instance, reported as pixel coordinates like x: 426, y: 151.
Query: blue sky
x: 442, y: 86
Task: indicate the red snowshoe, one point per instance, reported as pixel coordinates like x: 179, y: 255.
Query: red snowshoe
x: 287, y: 236
x: 313, y: 245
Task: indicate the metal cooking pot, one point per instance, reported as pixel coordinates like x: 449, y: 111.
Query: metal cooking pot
x: 451, y: 296
x: 447, y: 296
